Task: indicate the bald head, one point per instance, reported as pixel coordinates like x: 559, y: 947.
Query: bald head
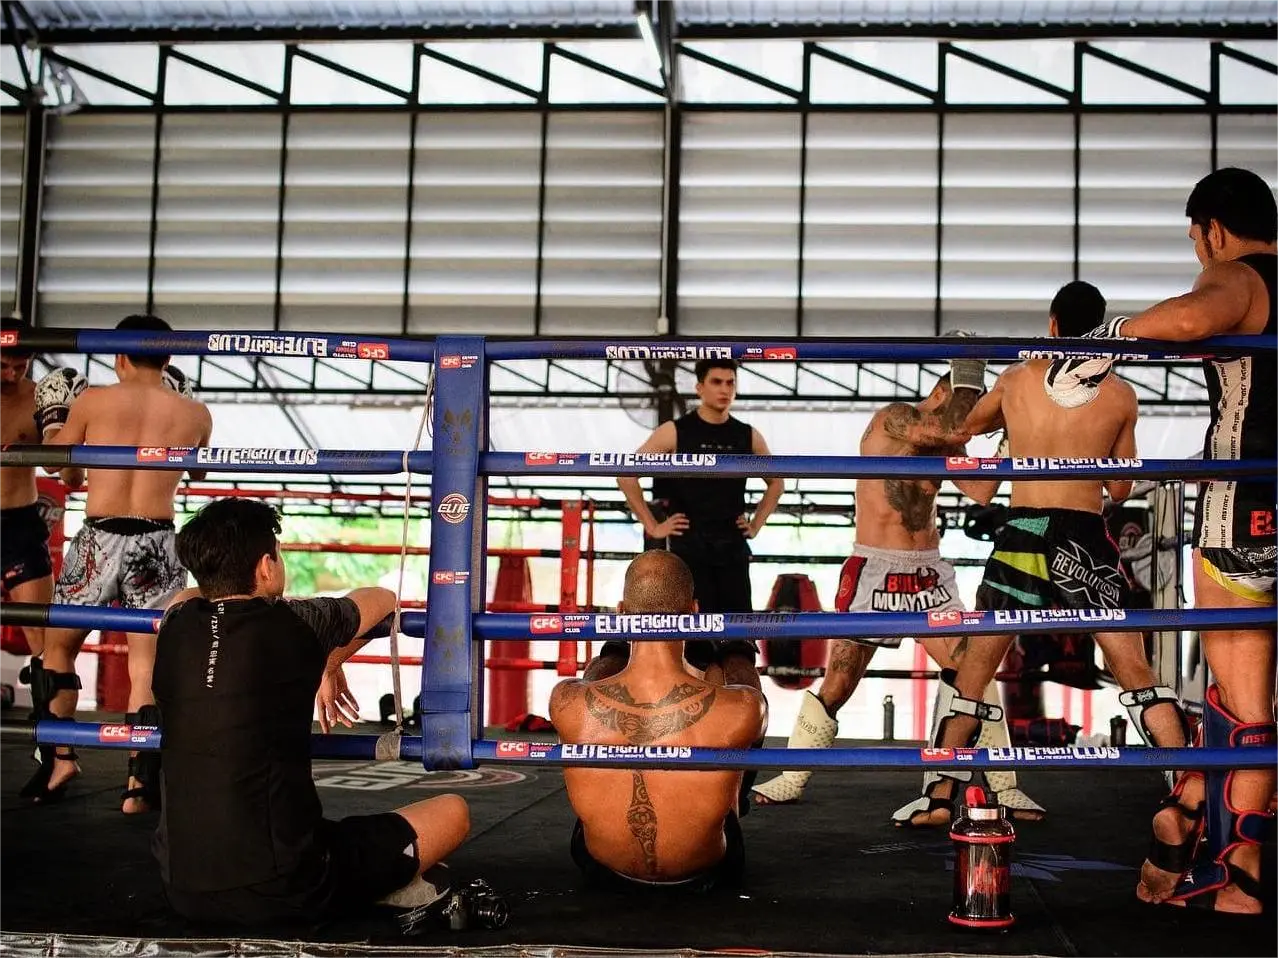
x: 658, y: 581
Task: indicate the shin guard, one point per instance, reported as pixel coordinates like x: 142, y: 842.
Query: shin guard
x: 949, y: 704
x: 45, y: 684
x: 813, y: 728
x: 1227, y: 825
x: 1139, y: 701
x: 995, y: 734
x: 144, y: 766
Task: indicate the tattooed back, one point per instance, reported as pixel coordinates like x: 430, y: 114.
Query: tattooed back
x: 901, y: 513
x: 655, y: 826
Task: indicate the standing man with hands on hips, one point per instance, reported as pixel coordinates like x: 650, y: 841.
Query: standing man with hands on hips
x: 706, y: 524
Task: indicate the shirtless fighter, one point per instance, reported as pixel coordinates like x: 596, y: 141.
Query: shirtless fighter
x: 896, y: 566
x: 656, y: 828
x: 124, y: 551
x: 1054, y: 551
x: 1233, y: 223
x: 24, y: 538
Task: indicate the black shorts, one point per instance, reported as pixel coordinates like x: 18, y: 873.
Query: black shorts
x: 720, y: 571
x: 727, y: 873
x: 1245, y: 570
x: 364, y: 859
x: 700, y: 653
x: 24, y: 546
x: 1053, y: 559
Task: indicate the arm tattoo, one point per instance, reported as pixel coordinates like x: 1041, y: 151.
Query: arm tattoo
x: 642, y: 723
x: 561, y: 694
x: 915, y: 502
x: 961, y: 402
x: 641, y: 818
x: 898, y: 419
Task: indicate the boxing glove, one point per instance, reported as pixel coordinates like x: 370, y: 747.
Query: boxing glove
x: 53, y: 397
x: 966, y: 373
x: 1110, y: 330
x: 178, y: 381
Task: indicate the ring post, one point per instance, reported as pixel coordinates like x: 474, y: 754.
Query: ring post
x: 455, y: 589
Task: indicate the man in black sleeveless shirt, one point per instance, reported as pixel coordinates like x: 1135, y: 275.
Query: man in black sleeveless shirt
x: 1234, y: 224
x: 242, y: 835
x: 705, y: 520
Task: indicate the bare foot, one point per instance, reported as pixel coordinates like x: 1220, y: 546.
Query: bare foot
x: 940, y: 812
x: 1024, y: 814
x: 760, y: 799
x: 1173, y: 826
x: 64, y: 770
x: 135, y: 804
x: 1229, y: 900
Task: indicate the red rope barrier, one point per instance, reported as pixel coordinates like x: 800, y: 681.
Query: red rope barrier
x: 569, y: 569
x: 214, y: 492
x: 367, y: 548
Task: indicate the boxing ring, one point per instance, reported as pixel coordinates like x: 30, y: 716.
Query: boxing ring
x: 455, y: 618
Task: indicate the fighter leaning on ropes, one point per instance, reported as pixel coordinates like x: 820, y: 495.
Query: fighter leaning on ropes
x: 1241, y: 296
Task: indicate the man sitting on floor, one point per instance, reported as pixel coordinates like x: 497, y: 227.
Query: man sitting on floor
x: 242, y: 836
x: 663, y: 828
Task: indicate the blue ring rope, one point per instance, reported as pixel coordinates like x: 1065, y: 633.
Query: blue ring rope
x: 147, y: 738
x: 390, y: 462
x: 383, y: 348
x: 872, y: 626
x: 865, y: 467
x: 221, y: 459
x: 878, y: 349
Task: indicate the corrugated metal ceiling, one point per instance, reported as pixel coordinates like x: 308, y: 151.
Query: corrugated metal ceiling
x: 69, y: 20
x: 301, y: 14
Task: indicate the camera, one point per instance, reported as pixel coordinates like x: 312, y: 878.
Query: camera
x: 475, y: 905
x: 471, y: 906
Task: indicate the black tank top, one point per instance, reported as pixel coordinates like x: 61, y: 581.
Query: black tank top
x: 711, y: 505
x: 1243, y: 426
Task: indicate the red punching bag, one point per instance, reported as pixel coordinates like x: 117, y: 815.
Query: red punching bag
x: 794, y: 592
x: 508, y: 688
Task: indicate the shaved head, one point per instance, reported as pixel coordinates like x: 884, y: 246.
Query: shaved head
x: 658, y: 581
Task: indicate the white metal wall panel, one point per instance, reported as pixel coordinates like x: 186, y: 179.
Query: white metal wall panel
x: 345, y: 222
x: 870, y: 212
x: 1249, y: 141
x: 97, y: 218
x: 12, y: 132
x: 739, y: 224
x: 215, y: 243
x: 601, y: 269
x: 1136, y: 173
x: 1007, y: 220
x: 474, y: 262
